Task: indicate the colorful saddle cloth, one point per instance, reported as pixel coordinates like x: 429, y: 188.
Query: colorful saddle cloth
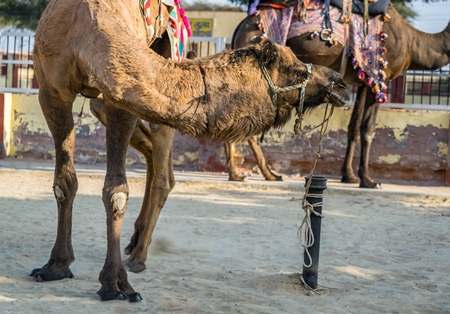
x: 366, y: 51
x: 178, y: 27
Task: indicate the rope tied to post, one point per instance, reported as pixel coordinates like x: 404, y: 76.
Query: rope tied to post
x: 304, y: 233
x: 305, y: 227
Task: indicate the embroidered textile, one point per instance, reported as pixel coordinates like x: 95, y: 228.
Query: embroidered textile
x: 178, y: 27
x: 366, y: 51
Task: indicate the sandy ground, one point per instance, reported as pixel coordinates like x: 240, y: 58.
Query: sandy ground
x: 233, y: 248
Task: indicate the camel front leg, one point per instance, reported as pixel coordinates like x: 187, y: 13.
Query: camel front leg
x: 267, y: 173
x: 160, y: 182
x: 113, y: 277
x: 353, y: 135
x: 58, y: 114
x: 233, y: 171
x: 367, y: 134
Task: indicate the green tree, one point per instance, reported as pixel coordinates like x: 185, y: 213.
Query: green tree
x: 400, y: 5
x: 21, y: 13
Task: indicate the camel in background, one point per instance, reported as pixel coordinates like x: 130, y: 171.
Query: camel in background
x: 407, y: 49
x: 103, y: 51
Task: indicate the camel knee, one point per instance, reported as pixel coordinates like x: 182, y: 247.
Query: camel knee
x: 165, y: 186
x: 59, y: 194
x: 65, y: 189
x: 367, y: 134
x: 116, y: 201
x: 119, y: 201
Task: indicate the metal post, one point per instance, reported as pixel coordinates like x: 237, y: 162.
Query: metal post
x: 310, y: 274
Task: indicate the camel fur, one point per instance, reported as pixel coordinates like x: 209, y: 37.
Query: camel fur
x: 103, y: 51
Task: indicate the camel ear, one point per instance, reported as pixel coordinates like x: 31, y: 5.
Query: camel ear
x: 269, y: 53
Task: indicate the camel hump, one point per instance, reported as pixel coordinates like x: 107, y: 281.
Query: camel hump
x: 375, y: 8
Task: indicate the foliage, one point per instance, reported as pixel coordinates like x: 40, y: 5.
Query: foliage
x: 21, y: 13
x: 26, y: 13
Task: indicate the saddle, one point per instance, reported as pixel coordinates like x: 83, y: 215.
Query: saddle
x: 375, y: 8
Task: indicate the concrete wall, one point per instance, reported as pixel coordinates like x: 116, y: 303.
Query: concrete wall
x: 223, y: 22
x: 409, y: 144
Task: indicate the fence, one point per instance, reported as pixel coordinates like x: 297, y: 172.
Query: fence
x: 412, y: 89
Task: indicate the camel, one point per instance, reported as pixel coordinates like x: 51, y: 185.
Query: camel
x: 103, y: 52
x: 407, y: 49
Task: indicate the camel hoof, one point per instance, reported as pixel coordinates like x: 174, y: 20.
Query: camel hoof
x: 274, y: 178
x: 112, y: 295
x: 350, y: 179
x: 370, y: 185
x: 134, y: 297
x: 236, y: 178
x: 135, y: 266
x: 129, y: 249
x: 41, y: 274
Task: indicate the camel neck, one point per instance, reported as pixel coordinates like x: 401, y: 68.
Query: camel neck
x: 429, y: 51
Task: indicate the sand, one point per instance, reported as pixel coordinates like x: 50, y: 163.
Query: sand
x: 233, y: 248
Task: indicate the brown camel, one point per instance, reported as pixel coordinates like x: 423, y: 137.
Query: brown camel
x: 407, y: 49
x: 103, y: 50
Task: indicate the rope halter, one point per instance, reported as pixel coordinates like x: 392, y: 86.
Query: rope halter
x: 275, y: 89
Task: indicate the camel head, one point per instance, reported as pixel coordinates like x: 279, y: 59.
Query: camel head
x: 306, y: 87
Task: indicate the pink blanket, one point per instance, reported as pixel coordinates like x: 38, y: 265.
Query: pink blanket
x: 366, y: 52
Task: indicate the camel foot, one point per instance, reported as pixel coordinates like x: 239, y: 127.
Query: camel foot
x: 134, y: 266
x: 119, y: 295
x: 369, y: 184
x: 274, y: 177
x: 133, y: 243
x: 44, y: 274
x: 129, y: 249
x: 235, y: 177
x: 350, y: 179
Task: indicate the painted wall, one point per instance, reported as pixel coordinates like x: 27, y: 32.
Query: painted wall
x: 409, y: 145
x: 223, y: 22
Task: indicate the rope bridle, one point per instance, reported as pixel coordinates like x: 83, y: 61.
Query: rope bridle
x: 276, y: 90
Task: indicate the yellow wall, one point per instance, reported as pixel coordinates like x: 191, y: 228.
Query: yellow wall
x: 410, y: 143
x: 224, y: 22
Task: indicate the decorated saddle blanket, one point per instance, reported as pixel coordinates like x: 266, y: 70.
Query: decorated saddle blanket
x: 375, y: 8
x: 366, y: 52
x: 178, y: 27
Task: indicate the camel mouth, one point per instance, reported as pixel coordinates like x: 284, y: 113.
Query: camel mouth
x: 338, y: 99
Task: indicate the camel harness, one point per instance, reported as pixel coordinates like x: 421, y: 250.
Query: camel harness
x: 275, y: 89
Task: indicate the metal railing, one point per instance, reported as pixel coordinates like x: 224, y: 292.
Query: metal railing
x: 412, y: 89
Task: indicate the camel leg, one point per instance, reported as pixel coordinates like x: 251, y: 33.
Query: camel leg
x: 160, y: 182
x: 113, y: 277
x: 367, y: 134
x: 231, y: 165
x: 58, y: 113
x: 267, y: 173
x: 353, y: 135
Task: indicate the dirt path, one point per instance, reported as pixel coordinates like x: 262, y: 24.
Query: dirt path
x: 221, y: 248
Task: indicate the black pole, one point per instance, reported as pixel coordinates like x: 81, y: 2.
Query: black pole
x: 310, y: 274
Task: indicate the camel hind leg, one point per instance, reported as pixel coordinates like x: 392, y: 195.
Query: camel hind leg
x: 155, y: 143
x: 262, y: 164
x: 58, y: 114
x: 160, y: 182
x: 233, y: 170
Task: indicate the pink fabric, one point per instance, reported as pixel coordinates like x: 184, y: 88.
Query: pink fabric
x: 366, y: 51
